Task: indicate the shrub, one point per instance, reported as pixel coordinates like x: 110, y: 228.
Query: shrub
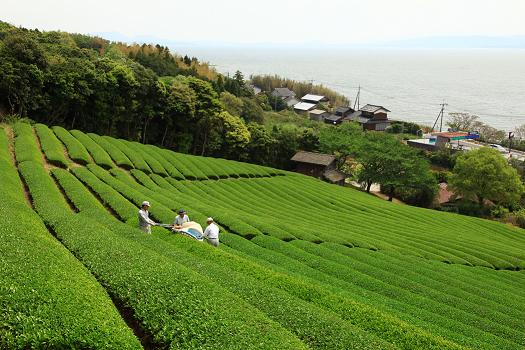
x: 136, y: 159
x: 99, y: 155
x: 157, y: 154
x: 77, y: 152
x: 49, y: 290
x: 51, y: 146
x: 170, y: 301
x: 152, y: 161
x: 26, y: 147
x: 116, y: 154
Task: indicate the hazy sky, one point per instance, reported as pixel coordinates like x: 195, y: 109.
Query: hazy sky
x: 272, y: 21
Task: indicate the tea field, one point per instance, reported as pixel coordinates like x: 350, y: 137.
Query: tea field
x: 302, y: 264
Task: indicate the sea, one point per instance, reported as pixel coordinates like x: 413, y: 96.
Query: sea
x: 411, y: 83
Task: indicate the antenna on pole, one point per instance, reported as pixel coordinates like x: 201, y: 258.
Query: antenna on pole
x: 356, y: 101
x: 440, y: 116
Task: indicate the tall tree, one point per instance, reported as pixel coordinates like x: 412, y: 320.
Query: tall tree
x: 343, y: 140
x: 485, y: 174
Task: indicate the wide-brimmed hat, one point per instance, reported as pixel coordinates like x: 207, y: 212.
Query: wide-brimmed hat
x: 145, y: 203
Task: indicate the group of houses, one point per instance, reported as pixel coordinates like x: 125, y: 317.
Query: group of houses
x: 370, y: 117
x: 323, y: 166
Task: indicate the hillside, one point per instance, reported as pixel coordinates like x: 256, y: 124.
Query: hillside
x: 301, y: 265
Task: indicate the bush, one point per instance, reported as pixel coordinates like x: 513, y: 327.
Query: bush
x: 99, y: 155
x: 116, y: 154
x: 519, y: 217
x: 76, y: 150
x: 51, y: 146
x: 170, y: 301
x: 152, y: 161
x: 26, y: 147
x: 136, y: 159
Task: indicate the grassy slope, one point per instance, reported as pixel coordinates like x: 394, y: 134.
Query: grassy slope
x: 323, y: 266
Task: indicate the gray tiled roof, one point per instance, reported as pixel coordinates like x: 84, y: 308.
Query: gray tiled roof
x: 372, y: 108
x: 313, y: 158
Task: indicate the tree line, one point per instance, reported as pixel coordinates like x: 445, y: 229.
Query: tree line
x: 137, y: 92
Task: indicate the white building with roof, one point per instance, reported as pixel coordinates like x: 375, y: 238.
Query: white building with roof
x: 310, y: 98
x: 304, y: 107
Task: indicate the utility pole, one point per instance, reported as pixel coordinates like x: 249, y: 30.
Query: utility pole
x: 440, y: 116
x: 511, y: 136
x: 356, y: 101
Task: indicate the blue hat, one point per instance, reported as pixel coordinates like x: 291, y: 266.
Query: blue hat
x: 182, y: 211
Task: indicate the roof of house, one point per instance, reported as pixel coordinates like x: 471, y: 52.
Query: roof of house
x: 304, y: 106
x: 357, y: 116
x: 313, y: 158
x: 283, y: 92
x: 373, y: 108
x: 310, y: 97
x: 318, y: 111
x: 334, y: 175
x: 334, y: 118
x: 343, y: 109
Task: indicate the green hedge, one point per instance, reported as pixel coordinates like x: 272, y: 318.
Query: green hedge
x: 116, y: 154
x: 26, y: 147
x: 77, y: 152
x: 97, y: 153
x: 156, y: 153
x: 151, y: 160
x: 317, y: 327
x: 171, y: 302
x: 44, y: 290
x: 52, y: 147
x: 136, y: 159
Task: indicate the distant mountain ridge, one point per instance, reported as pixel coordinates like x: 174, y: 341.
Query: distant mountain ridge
x: 441, y: 42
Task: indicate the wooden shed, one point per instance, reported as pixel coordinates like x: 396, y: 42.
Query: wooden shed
x: 313, y: 164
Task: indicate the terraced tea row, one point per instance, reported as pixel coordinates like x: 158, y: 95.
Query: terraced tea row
x: 303, y: 264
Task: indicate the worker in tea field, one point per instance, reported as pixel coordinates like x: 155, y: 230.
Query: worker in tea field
x: 145, y: 222
x: 180, y: 220
x: 212, y: 233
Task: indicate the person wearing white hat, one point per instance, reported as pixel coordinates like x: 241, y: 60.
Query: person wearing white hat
x: 212, y: 233
x: 145, y: 222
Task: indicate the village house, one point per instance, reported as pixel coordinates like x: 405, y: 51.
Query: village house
x: 318, y: 165
x: 318, y: 114
x: 343, y: 111
x: 310, y: 98
x: 334, y: 119
x: 304, y: 107
x: 371, y: 117
x: 287, y: 95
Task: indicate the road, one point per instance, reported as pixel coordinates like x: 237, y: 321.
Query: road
x: 469, y: 145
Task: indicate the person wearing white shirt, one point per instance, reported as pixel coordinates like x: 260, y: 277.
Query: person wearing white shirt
x: 145, y: 222
x: 212, y: 233
x: 180, y: 220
